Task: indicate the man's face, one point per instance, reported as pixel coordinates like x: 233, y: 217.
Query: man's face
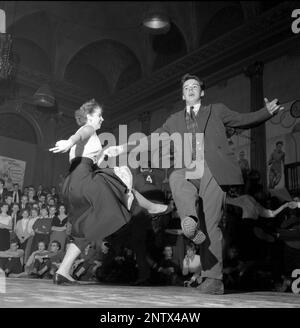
x: 191, y: 92
x: 279, y: 146
x: 15, y: 208
x: 24, y: 199
x: 168, y: 252
x: 16, y: 187
x: 54, y: 247
x: 41, y: 247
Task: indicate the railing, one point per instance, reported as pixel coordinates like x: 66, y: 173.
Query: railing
x: 292, y: 178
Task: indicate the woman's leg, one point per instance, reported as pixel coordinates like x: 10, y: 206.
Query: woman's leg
x: 64, y: 269
x: 152, y: 208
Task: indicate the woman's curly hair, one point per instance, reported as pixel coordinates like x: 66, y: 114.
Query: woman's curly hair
x: 87, y: 108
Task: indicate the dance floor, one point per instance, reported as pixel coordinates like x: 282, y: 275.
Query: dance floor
x: 32, y: 293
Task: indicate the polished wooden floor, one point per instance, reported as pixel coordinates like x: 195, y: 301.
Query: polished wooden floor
x: 25, y: 293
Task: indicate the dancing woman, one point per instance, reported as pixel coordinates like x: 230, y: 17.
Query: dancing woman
x: 99, y: 201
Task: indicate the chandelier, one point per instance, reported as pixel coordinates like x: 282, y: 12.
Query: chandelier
x: 5, y: 49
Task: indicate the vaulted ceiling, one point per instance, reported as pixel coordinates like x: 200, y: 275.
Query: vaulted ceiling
x: 101, y: 46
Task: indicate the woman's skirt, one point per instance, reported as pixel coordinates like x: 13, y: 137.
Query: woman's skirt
x: 97, y: 201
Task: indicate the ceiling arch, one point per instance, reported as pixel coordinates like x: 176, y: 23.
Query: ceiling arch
x: 224, y: 20
x: 36, y: 27
x: 115, y: 62
x: 31, y: 55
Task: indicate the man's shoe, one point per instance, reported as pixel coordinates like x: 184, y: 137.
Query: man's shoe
x: 211, y: 286
x: 190, y: 229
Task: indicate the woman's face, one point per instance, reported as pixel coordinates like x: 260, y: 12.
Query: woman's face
x: 95, y: 119
x: 44, y: 213
x: 4, y: 208
x: 62, y: 209
x: 190, y: 252
x: 25, y: 214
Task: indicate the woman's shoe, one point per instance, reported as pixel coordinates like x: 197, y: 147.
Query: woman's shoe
x: 169, y: 209
x: 59, y: 279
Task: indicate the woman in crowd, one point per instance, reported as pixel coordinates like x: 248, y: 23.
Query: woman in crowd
x: 5, y: 227
x: 99, y: 201
x: 59, y: 227
x: 192, y: 267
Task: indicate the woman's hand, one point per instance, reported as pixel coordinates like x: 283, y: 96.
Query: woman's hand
x: 61, y: 146
x: 113, y: 151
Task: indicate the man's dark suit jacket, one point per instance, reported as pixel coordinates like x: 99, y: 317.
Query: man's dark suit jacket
x: 212, y: 120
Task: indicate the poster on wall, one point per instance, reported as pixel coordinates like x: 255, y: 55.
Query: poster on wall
x: 12, y: 171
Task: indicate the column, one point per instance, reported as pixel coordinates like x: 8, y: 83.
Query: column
x: 258, y: 135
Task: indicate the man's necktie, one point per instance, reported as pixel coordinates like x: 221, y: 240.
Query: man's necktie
x: 193, y: 118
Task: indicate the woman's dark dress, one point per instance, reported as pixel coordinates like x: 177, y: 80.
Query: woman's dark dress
x: 96, y: 201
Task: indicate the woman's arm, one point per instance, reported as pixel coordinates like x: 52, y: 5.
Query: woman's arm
x: 54, y: 228
x: 62, y: 146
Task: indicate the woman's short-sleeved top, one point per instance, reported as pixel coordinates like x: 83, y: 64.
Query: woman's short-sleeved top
x: 89, y: 148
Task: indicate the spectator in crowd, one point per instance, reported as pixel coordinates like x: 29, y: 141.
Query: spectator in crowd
x: 276, y: 163
x: 5, y: 227
x: 16, y: 193
x: 25, y: 190
x: 8, y: 200
x: 85, y: 267
x: 191, y: 269
x: 59, y: 226
x: 36, y: 255
x: 11, y: 260
x: 21, y: 230
x: 31, y: 196
x: 3, y: 191
x: 46, y: 264
x: 233, y: 268
x: 168, y: 270
x: 42, y: 229
x: 39, y: 191
x: 24, y: 202
x: 54, y: 194
x: 15, y: 217
x: 52, y: 211
x: 55, y: 257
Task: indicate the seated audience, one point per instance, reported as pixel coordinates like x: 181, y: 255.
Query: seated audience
x: 191, y: 269
x: 168, y: 270
x: 11, y: 260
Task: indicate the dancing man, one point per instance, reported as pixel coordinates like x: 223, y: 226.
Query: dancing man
x: 199, y: 200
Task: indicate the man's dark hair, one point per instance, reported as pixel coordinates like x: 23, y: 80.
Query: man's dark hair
x: 192, y: 77
x: 279, y: 143
x: 58, y: 244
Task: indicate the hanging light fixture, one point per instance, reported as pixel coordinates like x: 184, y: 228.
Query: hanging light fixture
x: 5, y: 49
x: 44, y: 96
x: 156, y: 21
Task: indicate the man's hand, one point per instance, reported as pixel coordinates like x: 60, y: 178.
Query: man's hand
x: 273, y: 107
x: 61, y: 146
x: 113, y: 151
